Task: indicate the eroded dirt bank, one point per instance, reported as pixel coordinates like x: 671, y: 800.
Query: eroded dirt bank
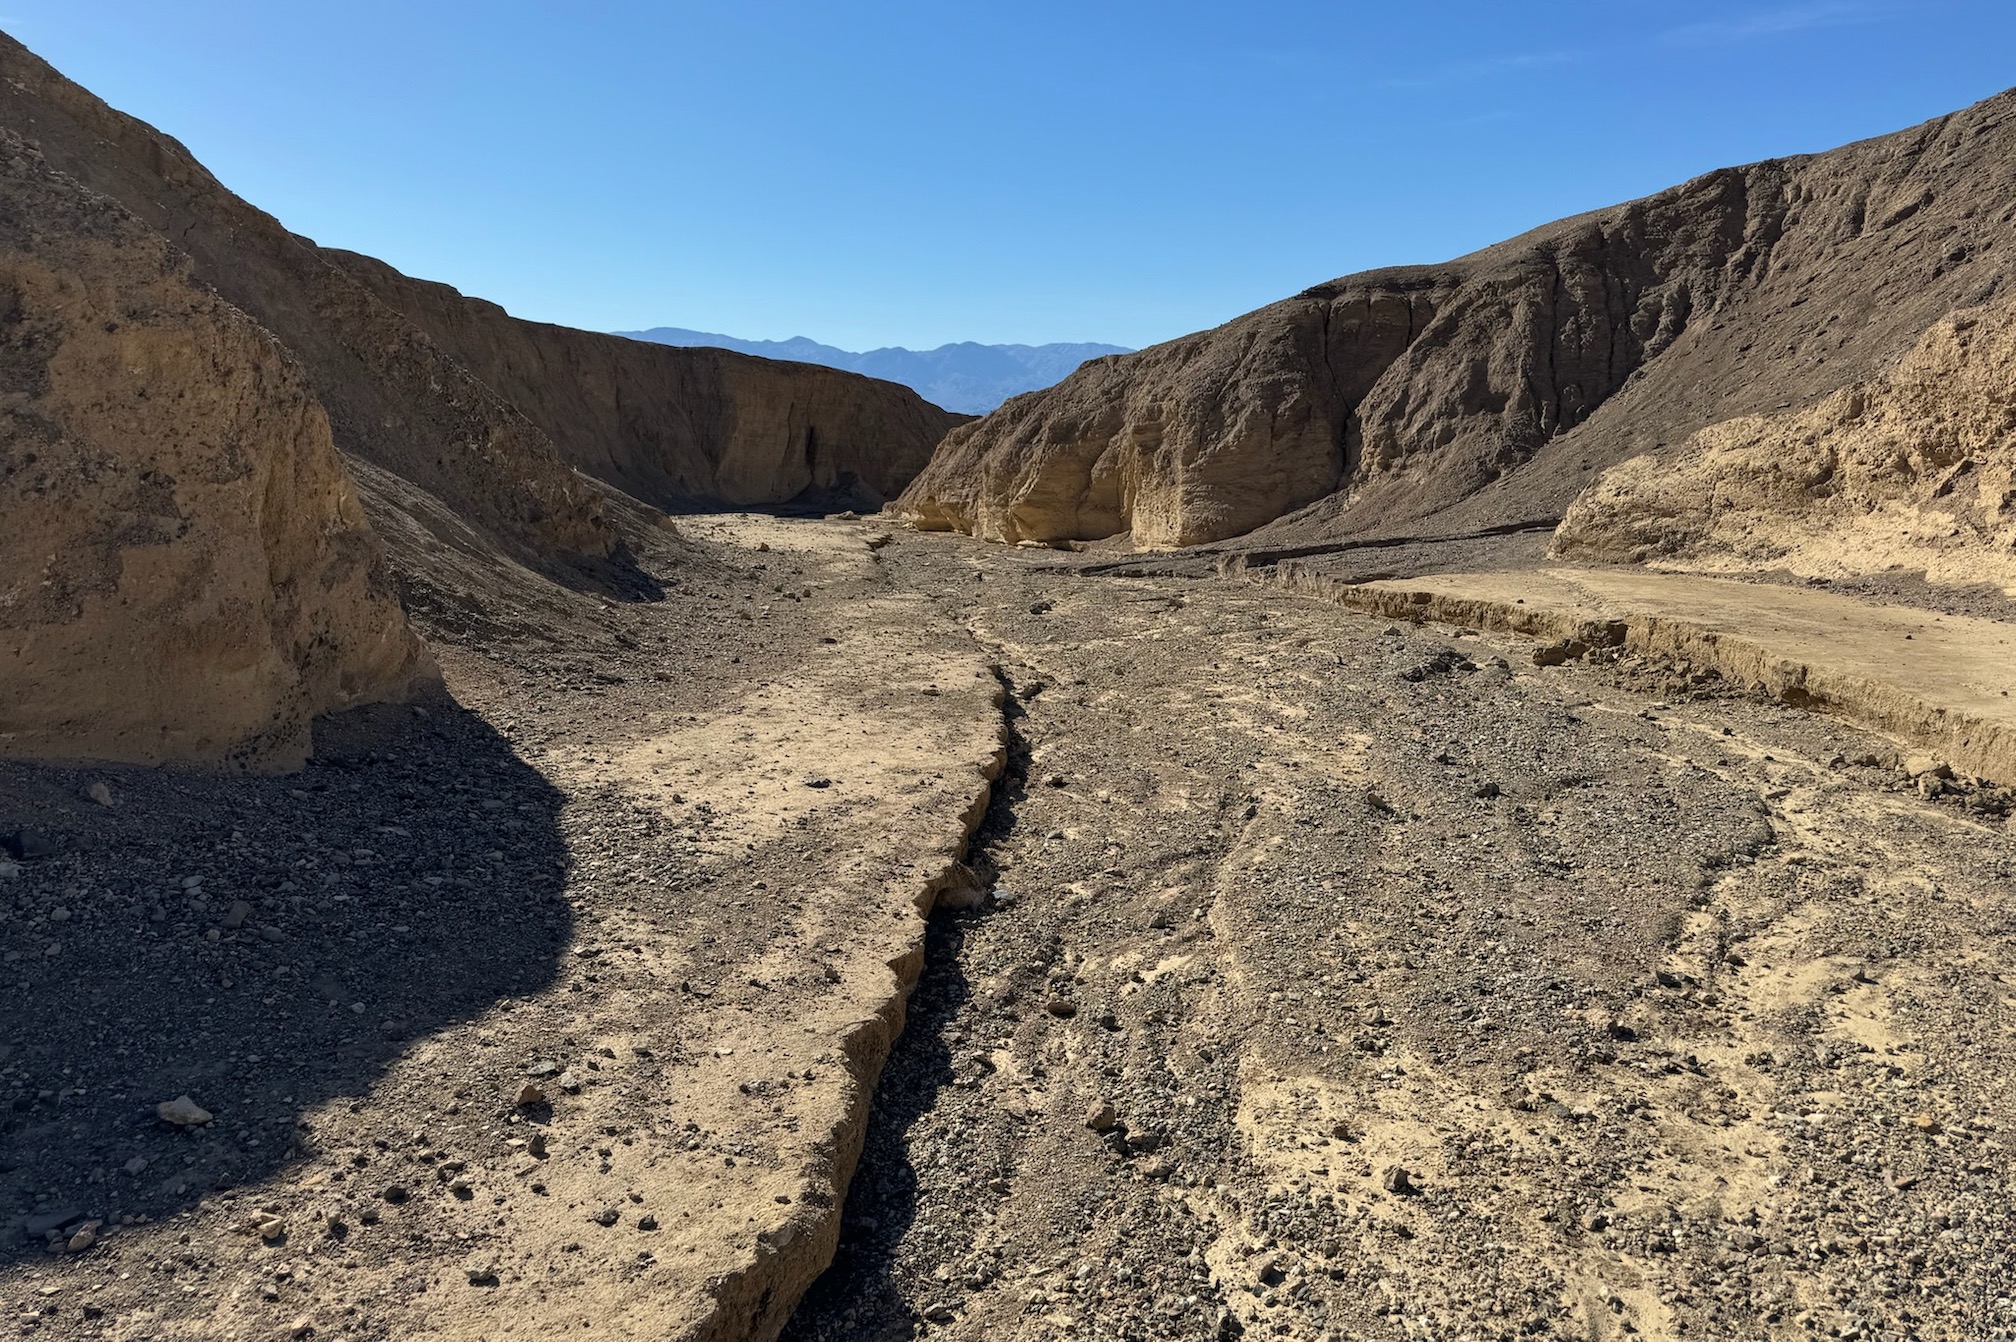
x: 1678, y: 1023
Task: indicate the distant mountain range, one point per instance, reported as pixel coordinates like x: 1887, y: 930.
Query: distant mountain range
x: 965, y: 377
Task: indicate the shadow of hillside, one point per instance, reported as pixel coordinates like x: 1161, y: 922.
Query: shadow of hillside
x: 406, y: 880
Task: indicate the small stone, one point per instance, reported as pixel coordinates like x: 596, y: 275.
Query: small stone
x: 1055, y: 780
x: 1925, y: 766
x: 235, y: 916
x: 816, y: 781
x: 1397, y: 1181
x: 1061, y: 1008
x: 29, y: 845
x: 530, y: 1096
x: 99, y: 793
x: 608, y: 1216
x: 301, y: 1327
x: 86, y: 1236
x: 1100, y: 1116
x: 395, y: 1194
x: 136, y: 1165
x: 270, y: 1228
x: 482, y: 1272
x: 647, y: 1222
x: 569, y: 1082
x: 183, y: 1112
x: 38, y: 1226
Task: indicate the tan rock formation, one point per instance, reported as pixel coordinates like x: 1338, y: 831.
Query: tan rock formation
x: 1490, y: 390
x: 668, y: 424
x: 1914, y: 470
x: 392, y: 396
x: 488, y: 413
x: 185, y: 573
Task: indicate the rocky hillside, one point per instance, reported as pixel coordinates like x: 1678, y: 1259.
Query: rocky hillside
x: 185, y: 572
x: 1489, y: 391
x: 671, y: 425
x: 1914, y: 470
x: 489, y: 414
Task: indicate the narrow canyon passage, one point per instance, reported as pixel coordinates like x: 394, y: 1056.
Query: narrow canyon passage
x: 1307, y: 975
x: 1358, y: 980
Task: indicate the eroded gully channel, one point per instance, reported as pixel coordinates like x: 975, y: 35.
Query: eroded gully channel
x: 1341, y: 978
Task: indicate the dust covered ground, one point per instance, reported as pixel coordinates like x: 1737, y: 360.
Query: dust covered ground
x: 1327, y: 978
x: 1678, y: 1022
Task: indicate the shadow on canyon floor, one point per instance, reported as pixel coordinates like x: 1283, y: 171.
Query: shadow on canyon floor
x: 261, y: 944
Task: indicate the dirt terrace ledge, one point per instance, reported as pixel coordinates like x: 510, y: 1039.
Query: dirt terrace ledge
x: 1940, y: 683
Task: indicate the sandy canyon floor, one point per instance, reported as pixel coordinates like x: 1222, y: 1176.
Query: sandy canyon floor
x: 1308, y: 975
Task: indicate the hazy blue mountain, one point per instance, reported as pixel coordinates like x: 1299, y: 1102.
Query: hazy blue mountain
x: 965, y: 377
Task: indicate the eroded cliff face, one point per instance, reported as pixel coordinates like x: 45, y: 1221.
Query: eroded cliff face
x: 669, y: 424
x: 1914, y: 470
x: 185, y: 572
x: 490, y: 414
x: 392, y: 395
x: 1492, y: 389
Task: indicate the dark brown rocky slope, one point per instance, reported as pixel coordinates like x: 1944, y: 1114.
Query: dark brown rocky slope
x: 1446, y: 399
x: 487, y: 413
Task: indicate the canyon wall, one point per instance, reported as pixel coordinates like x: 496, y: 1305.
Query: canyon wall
x: 1492, y: 389
x: 1913, y: 470
x: 490, y: 414
x: 185, y: 572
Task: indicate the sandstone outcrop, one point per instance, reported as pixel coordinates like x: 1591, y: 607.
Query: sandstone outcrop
x: 185, y: 572
x: 491, y: 415
x: 1913, y: 470
x: 392, y: 396
x: 1492, y: 389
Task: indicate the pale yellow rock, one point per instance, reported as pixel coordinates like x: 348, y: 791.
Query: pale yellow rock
x: 183, y: 1112
x: 1914, y: 471
x: 185, y: 573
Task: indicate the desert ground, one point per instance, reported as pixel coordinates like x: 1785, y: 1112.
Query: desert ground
x: 1309, y: 974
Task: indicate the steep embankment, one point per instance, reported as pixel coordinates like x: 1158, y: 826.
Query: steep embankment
x: 393, y: 398
x: 1913, y: 470
x: 1493, y: 388
x: 185, y: 572
x: 669, y: 424
x: 487, y: 413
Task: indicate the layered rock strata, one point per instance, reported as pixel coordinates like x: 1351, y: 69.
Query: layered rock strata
x: 1914, y: 470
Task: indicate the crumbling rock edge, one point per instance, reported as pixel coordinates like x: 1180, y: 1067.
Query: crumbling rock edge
x: 1968, y: 741
x: 756, y: 1303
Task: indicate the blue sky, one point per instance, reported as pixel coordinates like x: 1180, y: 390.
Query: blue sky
x: 892, y: 173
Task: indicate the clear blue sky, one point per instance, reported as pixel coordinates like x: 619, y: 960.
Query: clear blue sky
x: 875, y: 173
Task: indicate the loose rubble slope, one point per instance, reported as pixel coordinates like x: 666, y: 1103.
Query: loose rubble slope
x: 1914, y: 470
